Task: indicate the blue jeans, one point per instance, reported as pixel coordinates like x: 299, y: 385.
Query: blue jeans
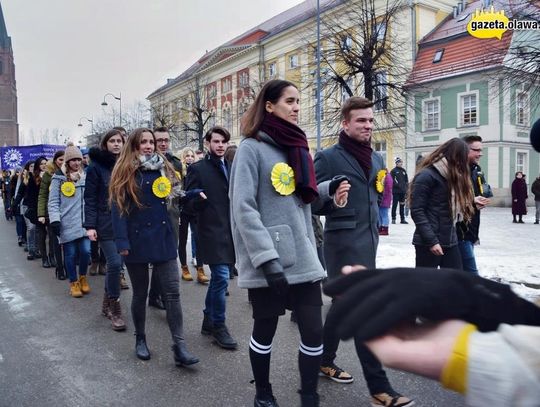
x: 20, y: 226
x: 193, y: 229
x: 466, y: 248
x: 30, y: 232
x: 215, y: 296
x: 383, y: 216
x: 70, y: 251
x: 114, y: 266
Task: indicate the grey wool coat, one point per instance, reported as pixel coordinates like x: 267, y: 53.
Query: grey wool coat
x: 351, y: 233
x: 267, y: 225
x: 69, y: 211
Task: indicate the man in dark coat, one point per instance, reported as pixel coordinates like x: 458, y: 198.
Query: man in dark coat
x: 351, y: 234
x: 399, y: 190
x: 215, y: 244
x: 468, y: 233
x: 535, y: 189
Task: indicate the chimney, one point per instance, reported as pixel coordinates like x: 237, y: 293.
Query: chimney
x: 459, y: 7
x: 454, y: 9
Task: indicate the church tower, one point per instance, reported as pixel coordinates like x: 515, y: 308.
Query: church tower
x: 9, y: 128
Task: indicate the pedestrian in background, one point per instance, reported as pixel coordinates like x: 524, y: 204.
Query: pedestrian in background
x: 400, y: 187
x: 535, y: 189
x: 441, y: 194
x: 66, y: 214
x: 55, y: 251
x: 98, y: 220
x: 20, y: 226
x: 386, y: 200
x: 27, y: 198
x: 141, y: 182
x: 519, y: 197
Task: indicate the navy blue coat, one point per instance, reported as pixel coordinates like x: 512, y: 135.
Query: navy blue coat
x: 97, y: 213
x: 146, y: 232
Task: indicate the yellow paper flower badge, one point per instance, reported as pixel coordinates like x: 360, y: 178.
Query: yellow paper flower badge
x: 161, y: 187
x: 283, y: 179
x: 68, y: 188
x: 379, y: 181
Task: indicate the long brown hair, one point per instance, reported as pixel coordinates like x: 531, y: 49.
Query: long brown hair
x: 271, y: 92
x: 456, y: 152
x: 123, y: 180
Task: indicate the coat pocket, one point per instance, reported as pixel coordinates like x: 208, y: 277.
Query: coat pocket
x: 341, y: 219
x: 284, y: 244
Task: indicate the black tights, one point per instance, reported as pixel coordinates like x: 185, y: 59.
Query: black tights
x: 309, y: 355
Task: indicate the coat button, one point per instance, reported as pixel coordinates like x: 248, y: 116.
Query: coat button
x: 147, y: 182
x: 148, y: 224
x: 164, y: 222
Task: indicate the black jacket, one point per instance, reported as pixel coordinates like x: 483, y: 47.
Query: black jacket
x: 215, y: 244
x: 470, y: 231
x: 400, y: 180
x: 97, y: 213
x: 431, y: 211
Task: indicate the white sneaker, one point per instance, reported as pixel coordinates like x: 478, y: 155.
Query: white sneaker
x: 194, y: 261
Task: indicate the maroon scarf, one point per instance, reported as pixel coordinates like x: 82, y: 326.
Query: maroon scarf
x: 291, y: 138
x: 360, y: 151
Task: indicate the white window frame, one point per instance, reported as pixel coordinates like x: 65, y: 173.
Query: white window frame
x: 346, y: 43
x: 524, y: 165
x: 226, y: 85
x: 461, y: 108
x: 525, y: 109
x: 226, y: 116
x: 380, y: 92
x: 294, y: 61
x: 426, y: 113
x: 381, y: 148
x: 272, y: 70
x: 380, y: 34
x: 212, y: 91
x: 243, y: 79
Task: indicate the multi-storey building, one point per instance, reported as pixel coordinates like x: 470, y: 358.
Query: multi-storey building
x: 9, y: 128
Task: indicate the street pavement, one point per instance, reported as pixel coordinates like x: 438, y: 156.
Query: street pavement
x: 59, y: 351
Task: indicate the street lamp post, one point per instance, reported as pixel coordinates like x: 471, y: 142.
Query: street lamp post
x: 119, y: 98
x: 87, y: 119
x: 318, y: 111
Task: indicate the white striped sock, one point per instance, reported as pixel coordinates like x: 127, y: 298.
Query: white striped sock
x: 310, y: 351
x: 258, y: 348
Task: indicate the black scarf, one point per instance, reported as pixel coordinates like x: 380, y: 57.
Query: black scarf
x: 291, y: 137
x: 360, y: 151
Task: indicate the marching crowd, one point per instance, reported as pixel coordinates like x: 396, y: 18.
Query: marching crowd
x: 129, y: 203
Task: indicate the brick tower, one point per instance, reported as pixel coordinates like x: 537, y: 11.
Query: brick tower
x: 9, y: 128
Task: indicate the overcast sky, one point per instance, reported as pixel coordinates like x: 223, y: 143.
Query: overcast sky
x: 70, y: 53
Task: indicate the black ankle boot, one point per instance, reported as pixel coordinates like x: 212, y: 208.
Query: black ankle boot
x: 45, y: 263
x: 182, y: 357
x: 309, y: 399
x: 52, y: 261
x: 141, y: 350
x: 265, y: 397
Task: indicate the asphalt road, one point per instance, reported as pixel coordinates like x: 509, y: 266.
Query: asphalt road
x: 59, y: 351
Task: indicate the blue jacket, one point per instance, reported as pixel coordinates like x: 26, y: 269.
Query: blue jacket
x: 146, y: 232
x: 97, y: 214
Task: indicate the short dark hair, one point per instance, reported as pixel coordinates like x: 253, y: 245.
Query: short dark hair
x: 219, y: 130
x: 354, y: 103
x: 472, y: 138
x: 119, y: 128
x: 161, y: 129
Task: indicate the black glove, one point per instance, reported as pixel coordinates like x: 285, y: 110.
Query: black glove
x: 275, y: 277
x: 56, y: 227
x: 334, y: 183
x: 371, y: 302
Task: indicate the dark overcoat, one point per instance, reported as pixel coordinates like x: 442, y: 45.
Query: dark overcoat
x: 146, y: 232
x: 351, y: 235
x: 215, y: 244
x: 519, y: 197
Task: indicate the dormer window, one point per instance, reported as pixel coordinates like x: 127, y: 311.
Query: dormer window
x: 438, y: 55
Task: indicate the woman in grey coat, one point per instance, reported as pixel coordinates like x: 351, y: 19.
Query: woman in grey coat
x: 272, y: 187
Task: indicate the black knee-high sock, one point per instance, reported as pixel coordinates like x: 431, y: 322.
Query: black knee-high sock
x: 311, y: 348
x: 260, y: 348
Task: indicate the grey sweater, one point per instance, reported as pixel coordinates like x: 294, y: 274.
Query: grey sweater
x: 266, y: 225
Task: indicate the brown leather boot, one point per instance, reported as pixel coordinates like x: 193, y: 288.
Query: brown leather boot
x: 93, y: 269
x: 186, y: 275
x: 105, y: 311
x: 117, y: 322
x: 201, y: 277
x: 85, y: 287
x: 102, y: 269
x: 123, y: 282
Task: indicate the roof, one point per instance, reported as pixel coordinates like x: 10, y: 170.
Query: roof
x: 5, y: 40
x: 461, y: 52
x: 249, y: 39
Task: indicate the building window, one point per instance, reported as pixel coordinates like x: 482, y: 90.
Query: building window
x: 469, y: 110
x: 344, y: 93
x: 227, y: 117
x: 346, y: 43
x: 226, y: 85
x: 380, y: 147
x: 431, y: 114
x: 522, y: 161
x: 272, y: 69
x: 293, y: 61
x: 318, y: 109
x: 243, y: 79
x: 522, y: 108
x: 315, y: 54
x: 379, y: 31
x: 380, y: 91
x: 211, y: 118
x: 438, y: 55
x: 212, y: 91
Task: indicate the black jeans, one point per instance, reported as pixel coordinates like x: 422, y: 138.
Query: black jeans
x: 186, y: 221
x: 374, y: 374
x: 55, y: 248
x: 169, y: 280
x: 450, y: 259
x: 398, y: 198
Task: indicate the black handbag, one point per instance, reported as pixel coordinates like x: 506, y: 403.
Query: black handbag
x: 31, y: 215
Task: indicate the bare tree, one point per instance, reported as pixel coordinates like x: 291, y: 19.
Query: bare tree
x: 197, y: 110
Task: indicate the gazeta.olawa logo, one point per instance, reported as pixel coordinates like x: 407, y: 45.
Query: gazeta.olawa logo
x: 493, y: 24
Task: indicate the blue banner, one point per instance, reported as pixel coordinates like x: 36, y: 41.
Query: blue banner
x: 16, y: 156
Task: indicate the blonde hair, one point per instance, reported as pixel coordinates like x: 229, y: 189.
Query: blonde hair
x: 123, y: 180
